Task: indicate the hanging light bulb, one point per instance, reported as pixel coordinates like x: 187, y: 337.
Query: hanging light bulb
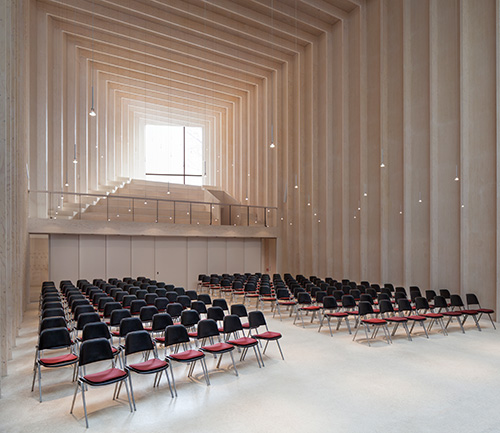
x: 168, y: 188
x: 382, y: 165
x: 272, y: 145
x: 456, y: 174
x: 92, y: 112
x: 420, y: 197
x: 296, y: 184
x: 75, y: 161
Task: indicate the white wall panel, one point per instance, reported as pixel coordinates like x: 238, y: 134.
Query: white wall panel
x: 217, y: 256
x: 92, y: 257
x: 143, y: 256
x: 235, y: 256
x: 197, y: 260
x: 171, y: 260
x: 253, y: 255
x: 63, y: 258
x: 118, y: 257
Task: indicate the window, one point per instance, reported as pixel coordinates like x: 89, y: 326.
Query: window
x: 175, y: 153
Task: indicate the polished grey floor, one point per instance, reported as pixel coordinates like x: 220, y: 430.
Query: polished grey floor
x: 326, y: 384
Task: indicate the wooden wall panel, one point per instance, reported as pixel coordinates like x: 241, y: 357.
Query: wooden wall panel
x: 118, y: 256
x: 143, y: 256
x: 64, y: 258
x: 197, y: 260
x: 171, y: 260
x: 92, y: 257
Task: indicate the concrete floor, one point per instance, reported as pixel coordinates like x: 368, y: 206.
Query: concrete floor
x: 445, y: 384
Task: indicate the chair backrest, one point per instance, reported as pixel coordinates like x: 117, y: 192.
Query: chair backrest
x: 172, y: 296
x: 320, y: 295
x: 355, y: 293
x: 192, y: 294
x: 404, y: 304
x: 239, y: 309
x: 136, y: 305
x: 129, y: 324
x: 53, y: 322
x: 430, y: 295
x: 205, y: 298
x: 161, y: 303
x: 161, y: 292
x: 421, y: 303
x: 95, y: 330
x: 199, y: 306
x: 330, y: 303
x: 51, y: 304
x: 146, y: 313
x: 400, y: 290
x: 138, y: 341
x: 180, y: 290
x: 117, y: 316
x: 85, y: 318
x: 364, y: 308
x: 175, y: 309
x: 53, y: 312
x: 150, y: 298
x: 54, y: 338
x: 365, y: 297
x: 176, y: 334
x: 141, y: 293
x: 399, y: 295
x: 110, y: 307
x: 161, y: 321
x: 445, y: 293
x: 456, y: 301
x: 256, y: 318
x: 127, y: 300
x: 385, y: 306
x: 304, y: 298
x: 232, y: 323
x: 472, y: 299
x: 95, y: 350
x: 151, y: 288
x: 220, y: 302
x: 440, y: 302
x: 184, y: 300
x: 190, y: 318
x: 215, y: 313
x: 207, y: 328
x: 348, y: 301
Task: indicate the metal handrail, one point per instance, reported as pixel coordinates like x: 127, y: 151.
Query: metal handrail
x: 129, y: 197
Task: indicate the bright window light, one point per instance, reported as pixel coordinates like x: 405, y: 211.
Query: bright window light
x: 174, y: 154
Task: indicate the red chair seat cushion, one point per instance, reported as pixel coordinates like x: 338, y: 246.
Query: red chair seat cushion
x: 193, y: 334
x: 451, y: 313
x: 287, y: 302
x: 396, y: 319
x: 218, y: 347
x: 337, y: 314
x: 485, y: 310
x: 55, y: 361
x: 243, y: 341
x: 268, y: 299
x: 150, y: 365
x: 417, y: 318
x: 433, y: 315
x: 374, y: 321
x: 311, y: 308
x: 160, y: 340
x: 114, y: 350
x: 110, y: 375
x: 246, y: 325
x: 268, y: 335
x: 470, y: 312
x: 188, y: 355
x: 354, y: 313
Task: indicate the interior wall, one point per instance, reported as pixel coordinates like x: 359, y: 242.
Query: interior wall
x: 174, y: 260
x: 416, y: 87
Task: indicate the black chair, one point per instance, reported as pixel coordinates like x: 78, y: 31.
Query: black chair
x: 199, y: 306
x: 304, y: 303
x: 53, y: 312
x: 129, y: 324
x: 161, y: 304
x: 97, y: 350
x: 458, y: 305
x: 205, y: 298
x: 473, y: 301
x: 161, y: 292
x: 220, y: 302
x: 404, y: 306
x: 241, y: 311
x: 171, y: 296
x: 256, y: 319
x: 184, y: 300
x: 150, y: 298
x: 284, y: 299
x: 115, y: 319
x: 423, y: 309
x: 208, y: 330
x: 217, y: 314
x: 365, y: 309
x: 193, y: 295
x: 387, y: 313
x: 52, y: 322
x: 127, y: 301
x: 136, y: 305
x: 232, y: 326
x: 177, y: 335
x: 141, y: 342
x: 175, y: 310
x: 160, y: 322
x: 441, y: 305
x: 53, y: 339
x: 95, y: 330
x: 330, y: 311
x: 180, y: 290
